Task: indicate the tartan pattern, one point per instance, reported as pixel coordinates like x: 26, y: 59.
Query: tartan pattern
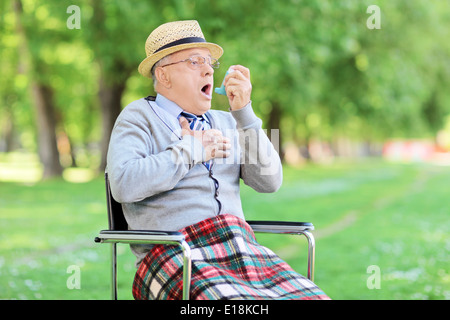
x: 227, y: 263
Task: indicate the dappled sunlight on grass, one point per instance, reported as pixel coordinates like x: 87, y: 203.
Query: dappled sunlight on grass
x: 78, y: 175
x: 25, y: 168
x: 20, y: 167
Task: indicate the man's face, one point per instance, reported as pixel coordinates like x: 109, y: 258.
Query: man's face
x: 190, y: 87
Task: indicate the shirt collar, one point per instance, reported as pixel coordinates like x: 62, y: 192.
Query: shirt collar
x: 172, y: 108
x: 169, y: 106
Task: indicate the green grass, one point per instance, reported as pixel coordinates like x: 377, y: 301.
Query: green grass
x: 370, y: 213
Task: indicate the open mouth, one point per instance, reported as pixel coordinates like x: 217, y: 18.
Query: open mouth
x: 207, y: 90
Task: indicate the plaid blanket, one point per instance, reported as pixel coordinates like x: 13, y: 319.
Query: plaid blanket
x: 227, y: 263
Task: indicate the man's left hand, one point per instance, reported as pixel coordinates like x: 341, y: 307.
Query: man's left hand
x: 238, y: 87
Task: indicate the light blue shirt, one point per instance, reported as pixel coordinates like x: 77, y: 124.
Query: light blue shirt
x: 169, y: 112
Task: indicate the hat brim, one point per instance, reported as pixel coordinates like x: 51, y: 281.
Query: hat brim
x: 146, y: 65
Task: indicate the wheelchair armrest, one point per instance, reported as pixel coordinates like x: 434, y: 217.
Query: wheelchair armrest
x: 149, y: 237
x: 140, y: 236
x: 281, y: 226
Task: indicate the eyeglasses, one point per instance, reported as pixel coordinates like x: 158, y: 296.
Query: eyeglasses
x: 197, y: 62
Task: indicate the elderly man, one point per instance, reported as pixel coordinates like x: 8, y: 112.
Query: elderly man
x: 176, y: 165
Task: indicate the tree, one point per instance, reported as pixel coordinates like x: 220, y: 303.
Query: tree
x: 116, y: 33
x: 42, y: 94
x: 318, y: 71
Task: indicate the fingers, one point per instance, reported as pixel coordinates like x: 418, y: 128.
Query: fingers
x: 239, y: 76
x: 238, y: 87
x: 239, y: 72
x: 215, y: 136
x: 216, y: 145
x: 185, y: 128
x: 217, y: 151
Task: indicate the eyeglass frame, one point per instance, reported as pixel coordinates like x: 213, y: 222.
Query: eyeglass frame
x: 212, y: 64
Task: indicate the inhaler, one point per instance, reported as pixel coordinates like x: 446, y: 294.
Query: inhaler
x: 221, y: 90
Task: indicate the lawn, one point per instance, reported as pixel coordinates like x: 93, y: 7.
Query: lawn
x: 382, y: 232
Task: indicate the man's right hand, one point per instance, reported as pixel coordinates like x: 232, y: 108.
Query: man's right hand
x: 216, y: 145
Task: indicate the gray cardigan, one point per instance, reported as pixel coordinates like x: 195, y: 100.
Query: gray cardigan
x: 158, y: 176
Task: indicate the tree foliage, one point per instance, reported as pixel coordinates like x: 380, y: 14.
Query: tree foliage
x: 318, y: 71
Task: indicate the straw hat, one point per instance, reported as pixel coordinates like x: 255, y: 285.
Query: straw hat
x: 172, y: 37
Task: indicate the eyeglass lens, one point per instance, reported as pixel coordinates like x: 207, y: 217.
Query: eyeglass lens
x: 199, y: 61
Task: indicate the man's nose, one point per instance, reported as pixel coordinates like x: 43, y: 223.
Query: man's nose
x: 207, y: 70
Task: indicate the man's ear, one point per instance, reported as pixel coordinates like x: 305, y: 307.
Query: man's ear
x: 163, y: 77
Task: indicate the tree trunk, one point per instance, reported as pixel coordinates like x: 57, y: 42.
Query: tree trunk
x: 110, y: 95
x: 113, y: 74
x: 46, y: 125
x: 8, y: 130
x: 42, y: 96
